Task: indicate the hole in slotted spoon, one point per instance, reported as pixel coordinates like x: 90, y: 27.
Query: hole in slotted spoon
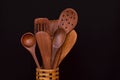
x: 61, y: 19
x: 67, y: 11
x: 72, y: 13
x: 65, y: 27
x: 66, y: 19
x: 63, y: 15
x: 67, y: 14
x: 62, y: 24
x: 68, y: 22
x: 72, y: 24
x: 71, y: 17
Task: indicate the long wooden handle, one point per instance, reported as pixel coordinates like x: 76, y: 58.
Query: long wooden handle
x: 68, y: 44
x: 66, y: 47
x: 32, y: 51
x: 57, y: 58
x: 36, y: 61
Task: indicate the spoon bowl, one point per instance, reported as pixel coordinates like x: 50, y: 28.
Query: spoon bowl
x: 29, y: 42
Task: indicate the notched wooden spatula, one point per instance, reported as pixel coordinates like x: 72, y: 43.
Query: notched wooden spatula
x: 43, y: 40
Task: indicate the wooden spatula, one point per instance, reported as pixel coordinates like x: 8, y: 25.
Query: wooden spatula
x: 66, y: 47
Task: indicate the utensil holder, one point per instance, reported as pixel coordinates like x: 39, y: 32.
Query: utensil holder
x: 47, y: 74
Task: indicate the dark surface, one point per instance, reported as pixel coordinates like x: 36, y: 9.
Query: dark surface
x: 95, y: 56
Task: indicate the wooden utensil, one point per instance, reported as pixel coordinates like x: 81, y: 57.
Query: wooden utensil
x: 53, y: 27
x: 29, y: 42
x: 41, y: 24
x: 44, y: 41
x: 58, y: 41
x: 66, y: 47
x: 68, y: 19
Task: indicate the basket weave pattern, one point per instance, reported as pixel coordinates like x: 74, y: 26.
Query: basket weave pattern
x: 47, y: 74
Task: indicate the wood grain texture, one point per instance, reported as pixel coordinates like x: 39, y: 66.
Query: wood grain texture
x: 29, y: 42
x: 58, y: 41
x: 53, y: 24
x: 66, y: 47
x: 44, y: 44
x: 68, y: 19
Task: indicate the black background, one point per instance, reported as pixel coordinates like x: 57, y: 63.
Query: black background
x: 95, y: 55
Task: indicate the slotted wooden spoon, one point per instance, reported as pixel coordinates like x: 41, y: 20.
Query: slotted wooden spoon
x: 43, y: 40
x: 68, y: 19
x: 66, y: 47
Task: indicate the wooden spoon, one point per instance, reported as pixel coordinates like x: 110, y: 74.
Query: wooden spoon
x: 44, y: 41
x: 68, y: 19
x: 66, y: 47
x: 29, y: 42
x: 58, y: 41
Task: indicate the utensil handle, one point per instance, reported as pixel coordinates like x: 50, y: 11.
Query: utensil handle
x: 35, y: 59
x: 57, y: 58
x: 54, y: 51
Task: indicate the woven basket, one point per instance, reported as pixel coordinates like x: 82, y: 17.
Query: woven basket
x: 47, y: 74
